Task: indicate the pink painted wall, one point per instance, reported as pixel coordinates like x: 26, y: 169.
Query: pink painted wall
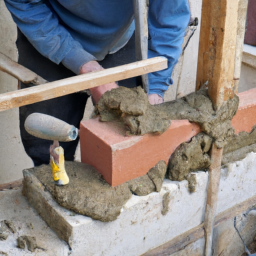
x: 250, y: 35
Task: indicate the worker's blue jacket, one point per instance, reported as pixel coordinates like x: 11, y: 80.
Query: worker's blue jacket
x: 77, y: 31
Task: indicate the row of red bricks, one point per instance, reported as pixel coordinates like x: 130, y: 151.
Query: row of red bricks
x: 120, y: 158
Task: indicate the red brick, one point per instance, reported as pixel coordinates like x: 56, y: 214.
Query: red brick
x: 245, y: 118
x: 119, y: 158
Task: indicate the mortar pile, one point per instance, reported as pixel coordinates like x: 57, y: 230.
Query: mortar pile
x: 131, y: 107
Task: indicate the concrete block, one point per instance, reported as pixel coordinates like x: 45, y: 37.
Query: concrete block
x: 120, y: 158
x: 141, y: 225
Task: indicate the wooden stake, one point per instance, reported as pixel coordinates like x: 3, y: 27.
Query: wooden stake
x: 79, y: 83
x: 212, y: 197
x: 219, y: 50
x: 18, y: 71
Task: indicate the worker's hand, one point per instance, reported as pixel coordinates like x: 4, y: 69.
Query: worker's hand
x: 155, y: 99
x: 52, y: 153
x: 96, y: 92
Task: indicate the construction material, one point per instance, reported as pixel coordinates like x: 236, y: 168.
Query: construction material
x: 190, y: 156
x: 196, y: 233
x: 79, y: 83
x: 216, y: 66
x: 131, y: 106
x: 217, y: 49
x: 30, y: 241
x: 141, y: 226
x: 245, y: 118
x: 11, y: 185
x: 212, y: 196
x: 125, y: 158
x: 16, y: 70
x: 141, y: 34
x: 89, y: 194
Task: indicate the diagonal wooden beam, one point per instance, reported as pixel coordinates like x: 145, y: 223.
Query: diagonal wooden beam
x: 79, y: 83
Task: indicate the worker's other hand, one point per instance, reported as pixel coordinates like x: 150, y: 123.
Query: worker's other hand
x: 155, y: 99
x: 96, y: 92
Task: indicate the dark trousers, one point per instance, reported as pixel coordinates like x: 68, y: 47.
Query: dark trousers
x: 69, y: 108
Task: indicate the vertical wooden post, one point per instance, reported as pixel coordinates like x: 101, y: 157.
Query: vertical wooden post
x: 219, y: 51
x: 141, y: 34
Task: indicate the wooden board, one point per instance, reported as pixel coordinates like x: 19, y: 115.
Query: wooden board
x: 191, y: 236
x: 79, y: 83
x: 217, y: 49
x: 216, y: 66
x: 11, y: 185
x: 212, y: 196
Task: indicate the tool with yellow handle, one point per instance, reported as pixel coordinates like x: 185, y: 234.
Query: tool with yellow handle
x: 50, y: 128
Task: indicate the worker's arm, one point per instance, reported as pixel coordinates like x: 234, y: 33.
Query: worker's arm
x: 41, y: 26
x: 168, y: 20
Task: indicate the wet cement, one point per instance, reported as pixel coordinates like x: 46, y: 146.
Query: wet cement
x: 6, y: 227
x: 4, y: 232
x: 30, y: 241
x: 89, y: 194
x: 131, y: 106
x: 238, y: 146
x: 190, y: 156
x: 165, y: 202
x: 194, y: 155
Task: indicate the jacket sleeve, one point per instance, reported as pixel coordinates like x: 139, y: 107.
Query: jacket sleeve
x: 41, y: 27
x: 167, y: 23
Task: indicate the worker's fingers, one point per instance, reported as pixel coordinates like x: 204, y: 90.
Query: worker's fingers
x: 52, y: 153
x: 97, y: 92
x: 155, y: 99
x: 90, y: 67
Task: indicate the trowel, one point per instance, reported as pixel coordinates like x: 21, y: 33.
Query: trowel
x: 43, y: 126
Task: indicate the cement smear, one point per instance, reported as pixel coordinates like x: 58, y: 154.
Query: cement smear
x: 4, y: 232
x: 194, y: 155
x: 139, y: 117
x: 166, y: 201
x: 30, y: 241
x: 190, y: 156
x: 192, y: 182
x: 238, y: 146
x: 89, y: 194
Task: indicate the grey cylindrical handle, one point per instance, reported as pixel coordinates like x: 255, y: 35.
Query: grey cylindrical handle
x: 50, y: 128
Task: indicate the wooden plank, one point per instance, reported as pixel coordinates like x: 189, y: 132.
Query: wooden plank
x: 217, y: 49
x: 216, y: 65
x: 141, y: 34
x: 18, y: 71
x: 191, y: 236
x: 79, y: 83
x: 11, y: 185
